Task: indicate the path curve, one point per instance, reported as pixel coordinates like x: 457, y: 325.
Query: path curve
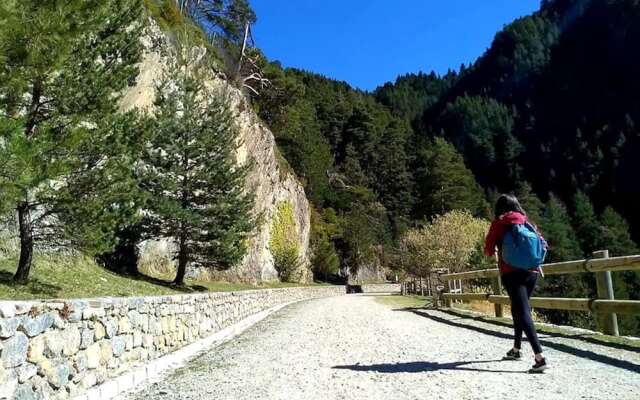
x: 354, y: 347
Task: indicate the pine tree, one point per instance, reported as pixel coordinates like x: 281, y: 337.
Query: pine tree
x: 616, y: 238
x: 352, y: 167
x: 615, y: 235
x: 444, y: 183
x: 62, y: 68
x: 324, y: 229
x: 196, y: 190
x: 563, y: 246
x: 481, y: 129
x: 393, y: 181
x: 557, y: 230
x: 226, y: 17
x: 533, y: 206
x: 586, y: 223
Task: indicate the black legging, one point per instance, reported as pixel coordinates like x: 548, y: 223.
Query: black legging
x: 519, y: 285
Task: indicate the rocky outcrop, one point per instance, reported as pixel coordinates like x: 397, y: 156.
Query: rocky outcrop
x: 270, y: 179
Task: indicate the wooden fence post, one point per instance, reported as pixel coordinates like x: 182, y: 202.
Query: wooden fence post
x: 608, y: 323
x: 447, y: 302
x: 497, y: 290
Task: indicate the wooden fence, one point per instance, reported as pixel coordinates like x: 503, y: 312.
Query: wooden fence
x: 604, y: 307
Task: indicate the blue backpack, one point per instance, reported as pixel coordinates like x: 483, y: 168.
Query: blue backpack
x: 523, y: 248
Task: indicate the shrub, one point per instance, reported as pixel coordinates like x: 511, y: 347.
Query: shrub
x: 284, y: 245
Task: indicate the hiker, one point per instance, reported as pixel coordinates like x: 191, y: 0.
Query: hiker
x: 520, y: 251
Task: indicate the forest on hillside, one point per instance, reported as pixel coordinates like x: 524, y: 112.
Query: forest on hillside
x: 548, y: 112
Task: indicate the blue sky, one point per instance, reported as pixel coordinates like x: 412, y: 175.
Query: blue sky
x: 370, y: 42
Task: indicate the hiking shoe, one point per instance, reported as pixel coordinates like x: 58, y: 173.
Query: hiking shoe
x: 512, y: 355
x: 539, y: 367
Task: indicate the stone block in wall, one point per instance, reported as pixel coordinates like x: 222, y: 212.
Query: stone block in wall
x: 80, y: 362
x: 124, y: 326
x: 25, y: 392
x: 118, y: 345
x: 56, y: 373
x: 88, y: 380
x: 71, y: 340
x: 99, y: 331
x: 94, y: 355
x: 26, y: 372
x: 87, y: 338
x: 110, y: 326
x: 8, y: 382
x: 14, y: 350
x: 53, y: 344
x: 7, y: 309
x: 147, y: 341
x: 106, y: 352
x: 93, y: 313
x: 8, y: 327
x: 33, y: 326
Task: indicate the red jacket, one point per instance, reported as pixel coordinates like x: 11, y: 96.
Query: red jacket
x: 497, y: 231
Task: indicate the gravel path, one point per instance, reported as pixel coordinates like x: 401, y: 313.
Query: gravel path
x: 352, y: 347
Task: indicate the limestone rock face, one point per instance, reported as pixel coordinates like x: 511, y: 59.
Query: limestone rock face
x: 270, y: 180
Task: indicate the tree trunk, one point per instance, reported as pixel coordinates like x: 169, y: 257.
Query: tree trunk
x: 247, y: 26
x: 182, y: 263
x: 26, y: 244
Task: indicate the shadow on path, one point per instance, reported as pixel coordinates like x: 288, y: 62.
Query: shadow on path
x: 423, y: 366
x: 587, y: 354
x: 589, y: 338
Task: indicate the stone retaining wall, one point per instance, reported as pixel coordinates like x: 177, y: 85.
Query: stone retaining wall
x: 60, y: 349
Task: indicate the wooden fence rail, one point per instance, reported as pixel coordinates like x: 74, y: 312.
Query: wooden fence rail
x: 605, y: 307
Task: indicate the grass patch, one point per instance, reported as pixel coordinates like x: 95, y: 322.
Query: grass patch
x: 404, y: 301
x: 62, y: 276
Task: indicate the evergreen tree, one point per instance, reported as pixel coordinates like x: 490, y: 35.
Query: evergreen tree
x: 615, y: 235
x: 325, y: 228
x: 616, y: 238
x: 557, y: 230
x: 363, y: 229
x: 228, y: 18
x: 444, y: 183
x: 481, y: 129
x: 563, y: 246
x: 195, y: 188
x: 393, y: 180
x: 353, y: 169
x: 533, y: 206
x: 586, y: 224
x: 62, y: 68
x: 361, y: 133
x: 306, y: 150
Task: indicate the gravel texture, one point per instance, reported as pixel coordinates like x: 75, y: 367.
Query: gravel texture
x: 352, y: 347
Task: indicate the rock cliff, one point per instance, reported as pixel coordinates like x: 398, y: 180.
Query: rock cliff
x: 270, y: 179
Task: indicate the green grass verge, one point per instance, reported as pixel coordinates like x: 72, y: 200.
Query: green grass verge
x: 58, y: 276
x: 404, y: 301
